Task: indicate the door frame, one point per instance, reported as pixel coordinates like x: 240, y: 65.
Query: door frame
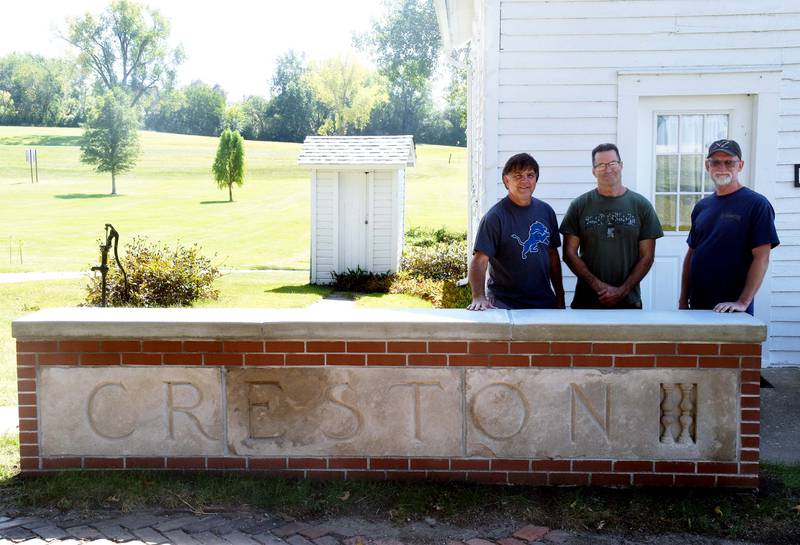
x: 762, y: 82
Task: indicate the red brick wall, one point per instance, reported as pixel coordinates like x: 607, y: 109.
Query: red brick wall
x: 498, y: 354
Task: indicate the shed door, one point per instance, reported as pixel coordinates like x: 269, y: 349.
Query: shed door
x: 675, y: 133
x: 353, y: 221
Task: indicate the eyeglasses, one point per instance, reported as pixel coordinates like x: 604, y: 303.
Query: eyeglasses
x: 603, y: 166
x: 727, y: 163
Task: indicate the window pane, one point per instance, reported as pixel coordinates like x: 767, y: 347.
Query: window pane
x: 667, y: 134
x: 687, y: 205
x: 691, y: 172
x: 691, y: 134
x: 667, y: 173
x: 716, y: 128
x: 665, y: 208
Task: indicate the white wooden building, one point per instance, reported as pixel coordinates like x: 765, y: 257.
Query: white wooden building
x: 357, y: 202
x: 661, y: 79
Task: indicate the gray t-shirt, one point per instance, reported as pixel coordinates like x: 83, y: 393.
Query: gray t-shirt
x: 517, y: 240
x: 610, y: 229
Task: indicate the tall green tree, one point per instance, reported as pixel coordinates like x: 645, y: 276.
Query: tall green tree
x: 254, y: 112
x: 405, y: 44
x: 293, y: 111
x: 204, y: 110
x: 349, y: 90
x: 110, y: 138
x: 126, y: 46
x: 228, y: 167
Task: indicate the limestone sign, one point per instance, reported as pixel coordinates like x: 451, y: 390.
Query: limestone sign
x: 509, y: 413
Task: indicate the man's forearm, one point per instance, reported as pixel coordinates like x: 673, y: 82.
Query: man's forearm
x: 755, y: 275
x: 683, y: 298
x: 556, y: 276
x: 477, y: 278
x: 579, y: 268
x: 639, y: 271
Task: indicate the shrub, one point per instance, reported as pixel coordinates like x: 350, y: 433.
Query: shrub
x: 362, y: 281
x: 455, y: 296
x: 433, y: 260
x: 422, y: 236
x: 158, y: 276
x: 426, y: 288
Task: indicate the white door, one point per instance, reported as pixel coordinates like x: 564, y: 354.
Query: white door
x: 353, y: 221
x: 674, y: 135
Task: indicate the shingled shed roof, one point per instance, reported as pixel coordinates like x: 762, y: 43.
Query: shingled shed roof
x: 346, y: 151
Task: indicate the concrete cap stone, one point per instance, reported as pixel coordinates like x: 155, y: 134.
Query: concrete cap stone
x: 523, y: 325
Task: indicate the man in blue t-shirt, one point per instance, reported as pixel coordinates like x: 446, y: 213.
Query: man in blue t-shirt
x: 732, y: 234
x: 517, y: 243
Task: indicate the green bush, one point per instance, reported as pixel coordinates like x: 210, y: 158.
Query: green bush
x: 426, y: 288
x: 158, y: 276
x: 423, y: 236
x: 361, y: 281
x: 454, y: 296
x: 433, y: 260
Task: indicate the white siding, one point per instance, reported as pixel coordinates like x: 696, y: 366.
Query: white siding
x: 382, y: 220
x: 556, y: 97
x: 326, y: 204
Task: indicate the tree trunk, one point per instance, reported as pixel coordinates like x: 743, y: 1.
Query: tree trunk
x: 230, y: 192
x: 113, y: 183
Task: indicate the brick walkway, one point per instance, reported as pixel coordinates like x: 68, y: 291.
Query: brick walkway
x: 244, y: 528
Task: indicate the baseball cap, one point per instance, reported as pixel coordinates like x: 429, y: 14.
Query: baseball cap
x: 725, y: 146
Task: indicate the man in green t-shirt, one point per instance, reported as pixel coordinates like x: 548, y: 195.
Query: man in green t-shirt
x: 609, y: 238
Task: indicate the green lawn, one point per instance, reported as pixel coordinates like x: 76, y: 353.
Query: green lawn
x: 170, y: 196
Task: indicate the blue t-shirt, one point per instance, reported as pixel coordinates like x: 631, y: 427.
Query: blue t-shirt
x: 517, y: 240
x: 725, y: 229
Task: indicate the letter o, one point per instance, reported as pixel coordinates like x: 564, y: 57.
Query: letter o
x: 502, y: 395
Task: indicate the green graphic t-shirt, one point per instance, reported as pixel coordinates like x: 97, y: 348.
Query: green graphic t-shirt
x: 610, y: 229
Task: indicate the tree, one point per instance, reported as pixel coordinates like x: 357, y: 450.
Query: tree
x: 293, y: 111
x: 42, y: 91
x: 254, y: 112
x: 349, y: 90
x: 405, y: 45
x: 110, y: 138
x: 204, y: 110
x: 228, y: 165
x: 126, y: 46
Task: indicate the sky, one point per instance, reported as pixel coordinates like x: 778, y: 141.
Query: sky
x: 233, y: 43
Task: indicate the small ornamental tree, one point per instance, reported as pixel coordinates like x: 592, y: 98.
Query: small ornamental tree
x: 228, y: 166
x: 110, y: 138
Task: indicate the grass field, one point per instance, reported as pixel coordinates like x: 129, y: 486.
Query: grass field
x: 170, y: 195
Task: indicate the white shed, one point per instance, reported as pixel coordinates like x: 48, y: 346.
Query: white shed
x: 357, y: 202
x: 556, y: 78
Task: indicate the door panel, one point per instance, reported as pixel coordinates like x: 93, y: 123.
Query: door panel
x: 352, y: 221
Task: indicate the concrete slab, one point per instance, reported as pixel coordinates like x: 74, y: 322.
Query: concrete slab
x: 780, y: 408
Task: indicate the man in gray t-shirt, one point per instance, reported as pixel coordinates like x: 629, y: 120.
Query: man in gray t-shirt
x: 517, y: 243
x: 609, y: 238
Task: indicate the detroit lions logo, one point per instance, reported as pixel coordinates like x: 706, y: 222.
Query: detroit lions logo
x: 538, y: 234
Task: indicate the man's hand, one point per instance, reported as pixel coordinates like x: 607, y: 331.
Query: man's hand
x: 734, y: 306
x: 610, y: 295
x: 480, y: 303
